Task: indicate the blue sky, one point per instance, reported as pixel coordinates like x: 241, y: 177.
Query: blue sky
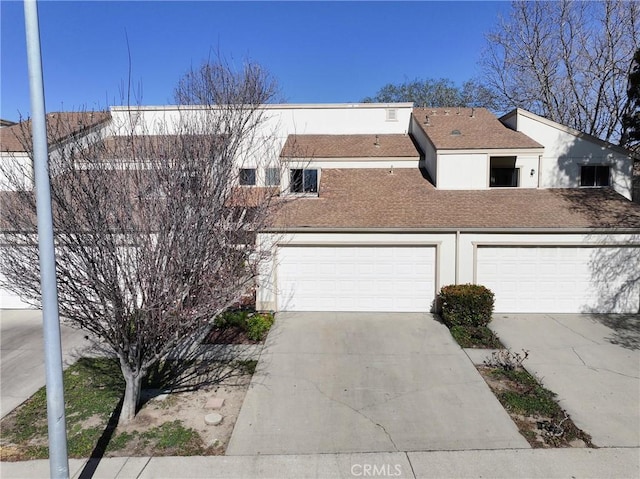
x: 320, y: 52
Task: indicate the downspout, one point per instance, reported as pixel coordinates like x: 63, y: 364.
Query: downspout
x: 539, y: 164
x: 457, y: 255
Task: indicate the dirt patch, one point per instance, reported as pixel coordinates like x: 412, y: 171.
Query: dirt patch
x: 190, y: 409
x: 542, y: 422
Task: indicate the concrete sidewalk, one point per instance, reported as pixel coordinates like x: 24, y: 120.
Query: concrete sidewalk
x: 512, y: 464
x: 22, y: 354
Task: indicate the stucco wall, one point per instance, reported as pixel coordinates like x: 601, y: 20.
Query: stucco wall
x: 565, y: 153
x: 463, y: 171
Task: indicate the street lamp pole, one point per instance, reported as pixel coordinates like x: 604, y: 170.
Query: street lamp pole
x: 58, y: 458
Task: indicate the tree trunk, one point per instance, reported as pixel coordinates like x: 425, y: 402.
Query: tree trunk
x: 133, y: 384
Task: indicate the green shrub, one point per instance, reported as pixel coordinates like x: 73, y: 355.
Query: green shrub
x: 258, y: 325
x: 466, y: 305
x: 232, y: 318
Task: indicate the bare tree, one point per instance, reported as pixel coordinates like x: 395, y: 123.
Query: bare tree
x: 568, y: 61
x: 154, y: 237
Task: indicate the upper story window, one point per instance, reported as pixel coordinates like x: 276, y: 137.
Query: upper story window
x: 503, y: 172
x: 304, y: 181
x: 272, y: 177
x: 594, y: 175
x: 247, y: 176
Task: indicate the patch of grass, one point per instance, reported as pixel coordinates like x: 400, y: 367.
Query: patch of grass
x: 172, y: 438
x: 248, y: 366
x: 475, y: 337
x: 92, y: 389
x: 529, y: 397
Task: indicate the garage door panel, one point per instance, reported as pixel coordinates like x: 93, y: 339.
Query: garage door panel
x: 559, y: 279
x: 359, y: 278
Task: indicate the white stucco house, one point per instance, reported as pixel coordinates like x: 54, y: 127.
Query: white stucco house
x: 393, y: 202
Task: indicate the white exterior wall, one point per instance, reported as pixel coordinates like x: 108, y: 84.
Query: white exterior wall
x: 565, y: 153
x: 18, y: 164
x: 283, y: 120
x: 463, y: 171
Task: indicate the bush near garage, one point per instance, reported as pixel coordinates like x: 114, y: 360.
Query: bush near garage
x: 466, y: 305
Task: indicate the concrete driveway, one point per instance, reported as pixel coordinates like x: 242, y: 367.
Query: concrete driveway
x: 592, y: 362
x: 22, y: 355
x: 367, y: 382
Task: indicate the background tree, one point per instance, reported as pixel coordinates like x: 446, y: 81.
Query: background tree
x: 567, y: 61
x: 153, y: 237
x: 435, y: 93
x: 631, y: 121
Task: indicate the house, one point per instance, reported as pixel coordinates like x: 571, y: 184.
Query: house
x: 392, y: 202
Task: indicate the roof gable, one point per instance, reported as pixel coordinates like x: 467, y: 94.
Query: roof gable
x: 469, y: 129
x: 566, y: 129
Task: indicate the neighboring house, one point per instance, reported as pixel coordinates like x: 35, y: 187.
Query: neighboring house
x: 393, y: 202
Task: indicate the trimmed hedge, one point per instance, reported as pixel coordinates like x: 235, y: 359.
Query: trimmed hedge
x: 466, y: 305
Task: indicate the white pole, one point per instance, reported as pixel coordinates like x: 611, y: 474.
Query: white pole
x: 58, y: 459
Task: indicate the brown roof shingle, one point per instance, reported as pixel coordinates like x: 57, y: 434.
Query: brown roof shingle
x: 59, y: 126
x: 374, y: 198
x: 469, y: 129
x: 349, y: 146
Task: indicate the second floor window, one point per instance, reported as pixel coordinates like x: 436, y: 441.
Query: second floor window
x: 503, y: 172
x: 594, y: 175
x: 272, y: 177
x: 247, y: 176
x: 304, y: 181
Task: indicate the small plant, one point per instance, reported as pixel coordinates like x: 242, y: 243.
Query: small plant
x: 466, y: 305
x: 248, y: 365
x: 506, y: 359
x: 258, y: 325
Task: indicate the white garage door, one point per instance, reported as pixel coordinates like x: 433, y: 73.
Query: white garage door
x: 561, y: 279
x: 356, y: 278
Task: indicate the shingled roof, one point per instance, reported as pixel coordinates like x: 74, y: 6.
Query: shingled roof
x: 59, y: 126
x: 469, y: 129
x: 376, y: 198
x: 349, y: 146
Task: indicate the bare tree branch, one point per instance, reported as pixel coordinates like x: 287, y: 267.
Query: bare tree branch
x: 568, y: 61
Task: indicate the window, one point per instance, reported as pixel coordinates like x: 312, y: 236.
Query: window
x: 272, y: 177
x: 594, y: 175
x: 247, y: 176
x: 503, y: 172
x: 392, y: 114
x: 304, y: 181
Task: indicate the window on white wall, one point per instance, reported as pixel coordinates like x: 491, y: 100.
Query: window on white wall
x: 304, y: 181
x: 247, y: 176
x: 392, y: 114
x: 594, y: 175
x: 272, y: 177
x: 503, y: 172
